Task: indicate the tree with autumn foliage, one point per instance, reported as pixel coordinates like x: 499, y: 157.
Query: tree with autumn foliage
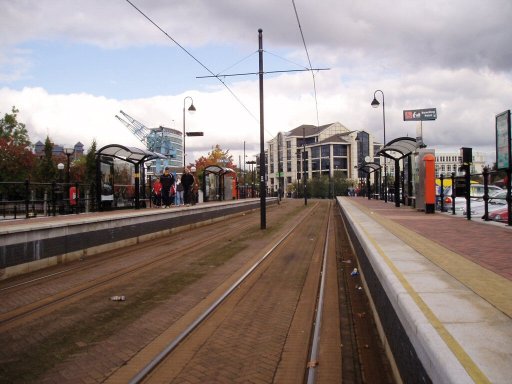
x: 16, y: 158
x: 216, y: 157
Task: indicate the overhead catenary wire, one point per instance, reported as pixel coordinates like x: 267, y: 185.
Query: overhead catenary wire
x: 287, y: 60
x: 309, y: 60
x: 193, y: 57
x: 218, y: 76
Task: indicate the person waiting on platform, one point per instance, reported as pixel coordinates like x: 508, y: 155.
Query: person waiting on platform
x: 179, y: 194
x: 167, y: 180
x: 188, y: 181
x: 195, y: 187
x: 157, y: 193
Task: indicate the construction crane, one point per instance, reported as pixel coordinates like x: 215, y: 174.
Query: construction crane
x: 155, y: 139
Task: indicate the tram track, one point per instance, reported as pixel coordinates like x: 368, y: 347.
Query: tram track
x: 248, y: 310
x: 47, y: 304
x: 97, y: 261
x: 163, y: 365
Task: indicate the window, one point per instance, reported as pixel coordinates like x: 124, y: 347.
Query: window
x: 326, y: 164
x: 340, y: 163
x: 315, y: 165
x: 339, y: 150
x: 315, y: 152
x: 326, y: 150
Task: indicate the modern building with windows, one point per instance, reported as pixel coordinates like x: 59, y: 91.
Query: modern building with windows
x: 450, y: 162
x: 313, y: 151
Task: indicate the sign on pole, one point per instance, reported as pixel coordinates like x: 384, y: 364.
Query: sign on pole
x: 503, y: 140
x: 420, y: 114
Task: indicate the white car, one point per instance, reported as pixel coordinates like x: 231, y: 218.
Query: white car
x: 497, y: 200
x: 476, y: 192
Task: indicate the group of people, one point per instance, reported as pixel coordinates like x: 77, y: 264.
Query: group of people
x: 168, y: 191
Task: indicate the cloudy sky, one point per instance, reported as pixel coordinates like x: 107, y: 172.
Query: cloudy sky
x: 70, y: 66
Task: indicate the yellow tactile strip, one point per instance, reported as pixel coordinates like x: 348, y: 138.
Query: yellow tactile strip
x: 413, y: 239
x: 490, y: 286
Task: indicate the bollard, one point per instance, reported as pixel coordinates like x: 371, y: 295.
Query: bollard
x: 430, y: 183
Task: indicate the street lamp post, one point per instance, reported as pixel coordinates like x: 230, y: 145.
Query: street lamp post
x: 191, y: 109
x: 375, y: 104
x: 68, y: 152
x: 60, y: 191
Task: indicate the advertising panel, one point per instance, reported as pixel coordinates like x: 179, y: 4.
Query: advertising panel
x: 503, y: 138
x: 420, y: 114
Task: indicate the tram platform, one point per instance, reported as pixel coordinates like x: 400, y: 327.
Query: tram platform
x: 441, y: 286
x: 31, y: 244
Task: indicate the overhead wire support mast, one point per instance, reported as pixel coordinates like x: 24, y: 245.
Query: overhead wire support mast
x: 260, y: 74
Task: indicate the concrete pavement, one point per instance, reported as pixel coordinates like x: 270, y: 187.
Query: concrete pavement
x: 449, y: 282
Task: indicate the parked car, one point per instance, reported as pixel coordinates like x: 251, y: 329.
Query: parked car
x: 476, y: 192
x: 497, y: 199
x: 499, y: 215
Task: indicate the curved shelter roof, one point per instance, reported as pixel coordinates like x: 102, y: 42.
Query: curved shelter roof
x: 218, y: 170
x: 404, y: 146
x: 370, y: 167
x: 130, y: 154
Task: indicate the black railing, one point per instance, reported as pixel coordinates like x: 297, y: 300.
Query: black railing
x: 462, y: 188
x: 24, y: 200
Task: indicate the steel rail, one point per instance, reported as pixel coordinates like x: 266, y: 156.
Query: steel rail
x: 116, y: 253
x: 7, y: 318
x: 313, y: 357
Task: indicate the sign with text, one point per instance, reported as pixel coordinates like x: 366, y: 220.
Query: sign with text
x: 420, y: 114
x: 503, y: 140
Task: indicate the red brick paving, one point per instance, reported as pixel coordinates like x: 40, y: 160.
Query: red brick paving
x: 488, y: 244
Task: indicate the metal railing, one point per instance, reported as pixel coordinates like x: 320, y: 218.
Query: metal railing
x: 25, y: 200
x: 461, y: 188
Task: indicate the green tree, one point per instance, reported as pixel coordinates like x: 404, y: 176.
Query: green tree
x: 319, y: 187
x: 90, y: 173
x: 46, y: 170
x: 14, y: 132
x: 90, y: 164
x: 16, y: 158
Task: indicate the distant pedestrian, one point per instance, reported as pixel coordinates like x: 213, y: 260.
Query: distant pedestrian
x: 187, y: 180
x: 179, y: 193
x: 167, y: 180
x: 195, y: 187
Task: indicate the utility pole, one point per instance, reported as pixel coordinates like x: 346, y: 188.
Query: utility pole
x: 263, y: 189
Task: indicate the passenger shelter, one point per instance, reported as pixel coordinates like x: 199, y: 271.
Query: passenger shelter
x: 396, y: 150
x: 370, y: 168
x: 105, y: 175
x: 219, y: 183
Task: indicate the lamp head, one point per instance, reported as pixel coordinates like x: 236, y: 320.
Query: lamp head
x: 192, y: 108
x: 375, y: 102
